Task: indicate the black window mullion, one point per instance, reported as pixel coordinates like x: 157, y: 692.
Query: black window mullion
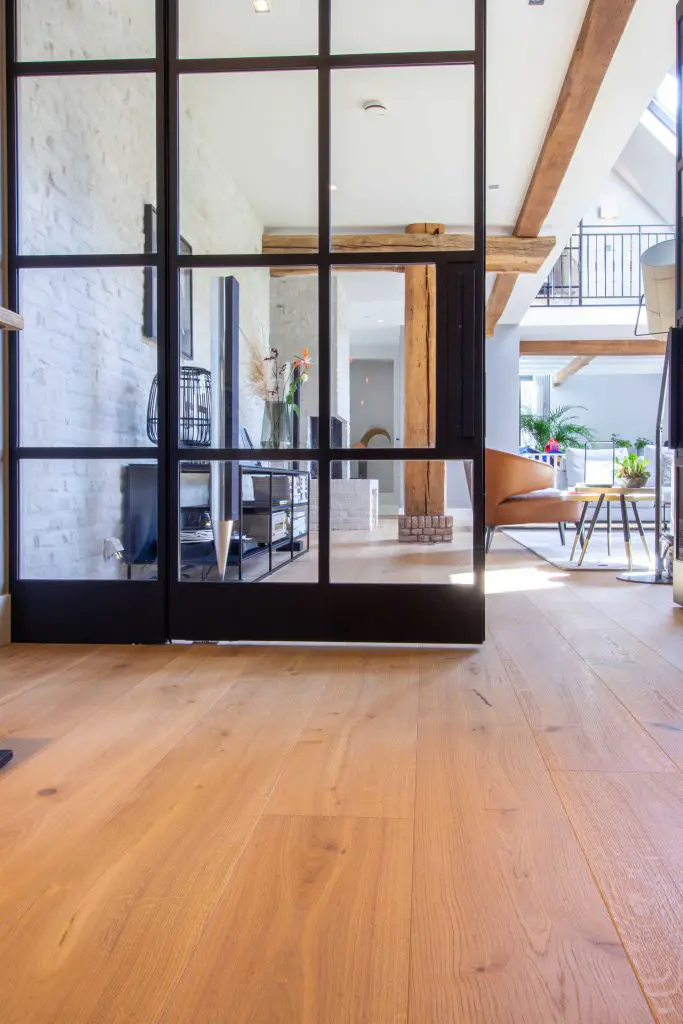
x: 11, y: 284
x: 162, y: 284
x: 172, y: 421
x: 104, y: 66
x: 478, y: 340
x: 324, y: 289
x: 79, y: 261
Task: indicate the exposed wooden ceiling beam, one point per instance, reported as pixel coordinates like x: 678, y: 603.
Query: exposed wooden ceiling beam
x: 608, y: 347
x: 504, y: 254
x: 570, y: 369
x: 503, y: 286
x: 601, y: 32
x: 10, y: 321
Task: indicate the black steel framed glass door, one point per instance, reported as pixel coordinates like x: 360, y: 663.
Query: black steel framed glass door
x: 676, y: 336
x: 86, y: 130
x: 293, y: 360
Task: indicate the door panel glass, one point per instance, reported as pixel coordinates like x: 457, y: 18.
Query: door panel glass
x: 248, y: 522
x: 83, y: 30
x: 384, y: 351
x: 248, y: 159
x: 248, y: 28
x: 88, y: 519
x: 400, y: 522
x: 399, y: 26
x: 402, y: 151
x: 87, y: 356
x: 87, y: 163
x: 249, y: 358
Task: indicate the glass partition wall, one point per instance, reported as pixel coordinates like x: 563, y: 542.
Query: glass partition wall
x: 248, y: 243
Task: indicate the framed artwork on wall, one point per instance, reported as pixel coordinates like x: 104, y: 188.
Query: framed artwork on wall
x: 149, y: 300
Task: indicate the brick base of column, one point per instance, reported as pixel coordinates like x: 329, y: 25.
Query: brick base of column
x: 425, y: 529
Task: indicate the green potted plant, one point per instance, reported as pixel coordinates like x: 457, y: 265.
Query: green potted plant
x: 620, y: 442
x: 642, y: 443
x: 632, y: 470
x: 558, y: 425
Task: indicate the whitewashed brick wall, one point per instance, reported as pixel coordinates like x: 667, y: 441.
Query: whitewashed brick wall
x: 354, y: 505
x: 87, y: 157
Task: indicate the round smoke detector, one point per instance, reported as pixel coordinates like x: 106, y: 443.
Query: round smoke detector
x: 375, y: 107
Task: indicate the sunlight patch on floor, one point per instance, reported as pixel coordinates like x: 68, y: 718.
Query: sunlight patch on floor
x: 511, y: 581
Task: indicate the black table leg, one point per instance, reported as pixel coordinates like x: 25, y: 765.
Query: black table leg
x: 591, y: 528
x: 579, y: 530
x: 641, y: 531
x: 5, y: 757
x: 627, y: 531
x: 609, y: 527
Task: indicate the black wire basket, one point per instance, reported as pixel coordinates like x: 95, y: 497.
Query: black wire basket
x: 195, y: 408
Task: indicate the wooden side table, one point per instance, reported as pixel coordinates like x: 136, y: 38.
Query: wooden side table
x: 600, y: 495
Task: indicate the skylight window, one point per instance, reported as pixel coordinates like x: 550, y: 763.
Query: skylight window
x: 664, y: 106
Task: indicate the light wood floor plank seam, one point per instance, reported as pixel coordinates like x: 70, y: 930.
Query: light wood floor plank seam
x: 614, y: 616
x: 238, y: 859
x: 595, y: 671
x: 41, y: 679
x: 412, y: 866
x: 599, y: 889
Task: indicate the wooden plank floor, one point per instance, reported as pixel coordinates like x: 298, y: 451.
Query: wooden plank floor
x: 220, y: 835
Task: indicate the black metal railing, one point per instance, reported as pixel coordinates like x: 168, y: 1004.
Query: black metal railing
x: 601, y: 267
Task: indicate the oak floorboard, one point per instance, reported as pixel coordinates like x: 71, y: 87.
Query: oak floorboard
x: 107, y: 935
x: 313, y: 928
x: 356, y: 756
x: 648, y: 685
x: 25, y: 666
x: 68, y: 697
x: 631, y: 829
x: 508, y: 925
x: 578, y: 723
x: 650, y: 617
x: 72, y: 783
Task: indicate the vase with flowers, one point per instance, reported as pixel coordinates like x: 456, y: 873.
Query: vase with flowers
x: 277, y: 382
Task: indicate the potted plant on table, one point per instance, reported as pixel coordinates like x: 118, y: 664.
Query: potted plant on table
x: 632, y: 471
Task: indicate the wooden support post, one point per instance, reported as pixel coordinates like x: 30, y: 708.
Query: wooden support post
x: 424, y: 482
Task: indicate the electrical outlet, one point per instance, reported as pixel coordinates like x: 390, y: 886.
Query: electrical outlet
x: 113, y: 548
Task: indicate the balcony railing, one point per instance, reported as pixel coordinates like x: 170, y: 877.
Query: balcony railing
x: 601, y: 267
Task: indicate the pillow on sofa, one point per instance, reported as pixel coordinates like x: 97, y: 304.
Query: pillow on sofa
x: 575, y: 463
x: 650, y: 453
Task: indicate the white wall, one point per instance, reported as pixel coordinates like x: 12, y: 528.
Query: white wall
x: 649, y: 167
x: 87, y: 170
x: 632, y: 208
x: 623, y: 404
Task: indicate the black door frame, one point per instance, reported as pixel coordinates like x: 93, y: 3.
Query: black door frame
x: 125, y: 611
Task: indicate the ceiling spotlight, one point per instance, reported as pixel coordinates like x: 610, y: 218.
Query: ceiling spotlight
x: 375, y: 107
x: 261, y: 6
x: 333, y: 188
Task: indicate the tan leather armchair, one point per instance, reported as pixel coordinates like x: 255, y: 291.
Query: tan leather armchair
x: 520, y: 492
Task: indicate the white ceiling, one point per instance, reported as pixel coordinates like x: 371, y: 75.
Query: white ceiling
x: 414, y: 164
x: 373, y: 301
x: 643, y: 57
x: 229, y: 28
